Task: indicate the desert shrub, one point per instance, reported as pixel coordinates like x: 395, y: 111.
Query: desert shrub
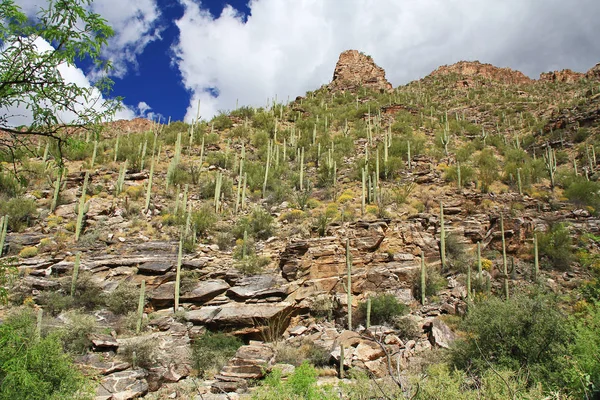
x: 384, y: 308
x: 252, y: 264
x: 10, y: 186
x: 179, y: 175
x: 322, y: 307
x: 123, y: 299
x: 32, y: 368
x: 77, y: 149
x: 407, y: 328
x: 296, y: 353
x: 527, y: 332
x: 28, y: 252
x: 140, y: 353
x: 259, y: 224
x: 55, y: 302
x: 8, y: 274
x: 301, y: 385
x: 556, y: 247
x: 488, y: 169
x: 211, y: 351
x: 584, y: 193
x: 467, y: 174
x: 443, y: 382
x: 21, y: 212
x: 74, y: 335
x: 434, y: 282
x: 221, y: 121
x: 584, y: 376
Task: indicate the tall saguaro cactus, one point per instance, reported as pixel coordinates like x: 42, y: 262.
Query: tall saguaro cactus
x: 442, y: 237
x: 550, y: 163
x: 349, y: 282
x: 81, y: 208
x: 423, y: 278
x: 536, y: 260
x: 178, y: 274
x: 140, y: 310
x: 504, y: 260
x: 75, y: 274
x: 3, y: 230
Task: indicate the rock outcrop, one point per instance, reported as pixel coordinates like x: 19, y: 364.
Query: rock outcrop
x: 354, y: 70
x: 566, y: 76
x: 471, y: 69
x: 594, y: 72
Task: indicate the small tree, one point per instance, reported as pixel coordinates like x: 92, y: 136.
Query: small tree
x: 33, y: 52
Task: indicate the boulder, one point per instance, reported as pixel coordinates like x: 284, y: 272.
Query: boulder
x: 205, y: 291
x: 123, y: 385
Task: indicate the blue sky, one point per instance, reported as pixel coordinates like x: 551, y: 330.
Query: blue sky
x: 170, y: 54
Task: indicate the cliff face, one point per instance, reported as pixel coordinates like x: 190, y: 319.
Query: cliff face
x: 487, y: 71
x: 354, y: 69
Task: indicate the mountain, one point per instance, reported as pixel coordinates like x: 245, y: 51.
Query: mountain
x: 253, y: 218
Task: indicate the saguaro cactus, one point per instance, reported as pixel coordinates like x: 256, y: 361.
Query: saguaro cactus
x: 3, y: 230
x: 140, y: 310
x: 75, y: 274
x: 423, y: 278
x: 536, y: 260
x: 81, y: 209
x: 442, y: 237
x: 178, y: 274
x: 349, y: 282
x: 341, y: 361
x: 504, y: 260
x: 550, y: 163
x: 368, y: 312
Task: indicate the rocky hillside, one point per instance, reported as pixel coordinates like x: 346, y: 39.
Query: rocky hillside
x: 272, y: 225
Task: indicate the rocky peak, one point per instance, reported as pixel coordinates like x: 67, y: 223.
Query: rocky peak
x: 355, y: 69
x: 594, y: 72
x: 566, y: 75
x: 135, y: 125
x: 487, y: 71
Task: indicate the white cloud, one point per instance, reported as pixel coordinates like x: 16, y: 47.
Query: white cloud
x: 288, y: 47
x: 135, y: 23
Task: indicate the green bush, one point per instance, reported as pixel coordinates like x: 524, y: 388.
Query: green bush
x: 212, y: 351
x: 21, y: 212
x: 221, y: 121
x: 556, y: 247
x: 203, y: 220
x: 9, y: 185
x: 76, y: 331
x: 123, y: 299
x: 259, y: 224
x: 32, y: 368
x: 525, y: 333
x: 442, y: 382
x: 584, y: 193
x: 141, y: 353
x: 434, y: 282
x: 301, y: 385
x: 488, y: 169
x: 384, y: 309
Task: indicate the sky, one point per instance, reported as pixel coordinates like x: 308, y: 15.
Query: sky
x: 168, y: 54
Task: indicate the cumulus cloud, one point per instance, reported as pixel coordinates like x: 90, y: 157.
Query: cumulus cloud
x: 285, y: 48
x: 135, y: 22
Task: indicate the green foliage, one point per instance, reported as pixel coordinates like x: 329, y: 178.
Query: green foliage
x: 585, y: 372
x: 301, y: 385
x: 488, y: 169
x: 141, y: 353
x: 221, y: 121
x: 10, y: 186
x: 36, y: 369
x: 21, y: 212
x: 526, y: 332
x: 123, y: 299
x: 76, y: 331
x: 295, y: 354
x: 211, y: 351
x: 434, y: 282
x: 8, y: 273
x: 81, y: 35
x: 259, y: 225
x: 556, y: 247
x: 442, y: 382
x: 584, y: 193
x: 203, y: 220
x: 385, y: 308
